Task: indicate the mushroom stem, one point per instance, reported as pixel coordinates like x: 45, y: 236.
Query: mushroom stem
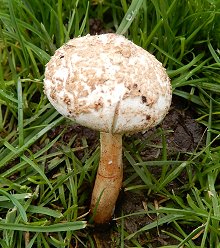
x: 109, y: 178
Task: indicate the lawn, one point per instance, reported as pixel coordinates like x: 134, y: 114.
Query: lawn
x: 170, y: 194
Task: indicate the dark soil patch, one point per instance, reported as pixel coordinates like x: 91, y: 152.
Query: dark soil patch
x: 186, y: 133
x: 96, y: 26
x: 131, y: 203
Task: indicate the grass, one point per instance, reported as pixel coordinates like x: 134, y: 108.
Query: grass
x: 45, y: 186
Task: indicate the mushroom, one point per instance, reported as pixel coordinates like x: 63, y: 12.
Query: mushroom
x: 107, y: 83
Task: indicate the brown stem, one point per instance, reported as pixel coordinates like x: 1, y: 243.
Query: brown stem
x: 108, y: 179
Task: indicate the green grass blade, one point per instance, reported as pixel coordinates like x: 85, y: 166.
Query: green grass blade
x: 16, y: 204
x: 154, y: 224
x: 29, y: 142
x: 61, y: 227
x: 129, y: 16
x: 20, y: 114
x: 20, y: 38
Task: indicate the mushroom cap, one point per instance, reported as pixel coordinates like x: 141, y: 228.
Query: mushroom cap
x: 107, y: 83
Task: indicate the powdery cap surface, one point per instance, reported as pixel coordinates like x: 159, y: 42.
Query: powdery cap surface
x: 108, y: 83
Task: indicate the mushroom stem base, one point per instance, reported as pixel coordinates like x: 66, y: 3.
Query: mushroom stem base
x: 109, y: 178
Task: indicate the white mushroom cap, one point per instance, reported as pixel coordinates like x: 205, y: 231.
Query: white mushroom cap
x: 107, y: 83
